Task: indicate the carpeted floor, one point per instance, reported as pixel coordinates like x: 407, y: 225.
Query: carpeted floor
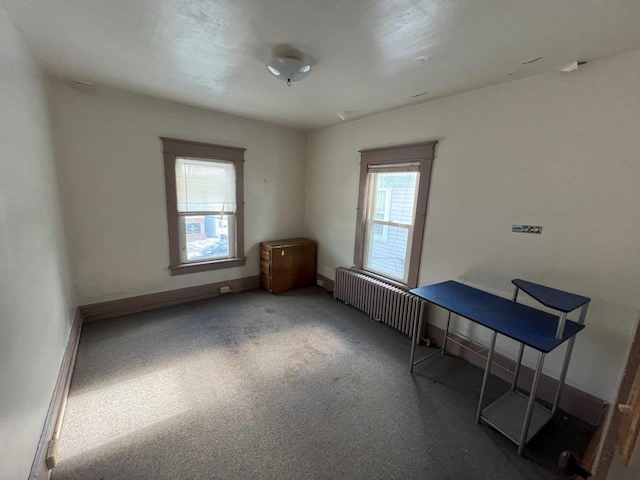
x: 256, y: 386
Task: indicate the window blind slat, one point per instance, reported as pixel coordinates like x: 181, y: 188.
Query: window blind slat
x: 205, y: 186
x: 400, y: 167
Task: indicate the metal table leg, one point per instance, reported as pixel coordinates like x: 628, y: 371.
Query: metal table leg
x: 514, y: 382
x: 446, y: 334
x: 487, y: 373
x: 567, y: 358
x: 563, y: 375
x: 531, y: 404
x: 516, y: 371
x: 414, y: 342
x: 414, y: 337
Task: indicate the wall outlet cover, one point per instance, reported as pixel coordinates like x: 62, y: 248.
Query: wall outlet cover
x: 225, y: 289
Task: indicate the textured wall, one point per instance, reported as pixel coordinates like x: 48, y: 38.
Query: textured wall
x: 36, y: 305
x: 557, y: 150
x: 111, y: 169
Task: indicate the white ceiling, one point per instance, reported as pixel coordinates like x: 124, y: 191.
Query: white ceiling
x: 369, y: 55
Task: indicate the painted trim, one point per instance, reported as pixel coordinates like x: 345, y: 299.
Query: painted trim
x: 590, y: 456
x: 611, y: 436
x: 199, y: 149
x: 328, y: 284
x: 173, y: 148
x: 382, y: 278
x: 152, y: 301
x: 421, y: 152
x: 573, y: 401
x: 204, y: 266
x: 399, y: 153
x: 57, y: 406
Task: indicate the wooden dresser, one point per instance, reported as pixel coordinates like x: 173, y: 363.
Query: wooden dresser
x: 287, y: 264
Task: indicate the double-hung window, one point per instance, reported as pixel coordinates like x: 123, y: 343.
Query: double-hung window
x: 204, y: 205
x: 392, y: 205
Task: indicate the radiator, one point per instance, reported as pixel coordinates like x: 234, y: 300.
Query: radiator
x: 381, y: 301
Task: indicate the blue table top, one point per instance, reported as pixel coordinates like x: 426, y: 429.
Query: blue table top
x: 525, y: 324
x: 550, y: 297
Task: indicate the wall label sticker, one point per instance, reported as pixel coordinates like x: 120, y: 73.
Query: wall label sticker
x: 527, y: 229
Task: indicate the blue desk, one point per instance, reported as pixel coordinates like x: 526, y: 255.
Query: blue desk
x: 516, y: 416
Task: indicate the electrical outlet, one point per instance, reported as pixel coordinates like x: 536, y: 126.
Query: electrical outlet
x: 319, y: 282
x: 225, y: 289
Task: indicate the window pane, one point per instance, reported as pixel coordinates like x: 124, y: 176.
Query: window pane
x: 387, y: 253
x: 206, y: 237
x: 205, y: 186
x: 395, y: 196
x: 392, y: 198
x: 380, y: 230
x: 382, y: 205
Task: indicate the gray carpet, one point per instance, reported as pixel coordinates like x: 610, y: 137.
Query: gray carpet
x: 252, y: 385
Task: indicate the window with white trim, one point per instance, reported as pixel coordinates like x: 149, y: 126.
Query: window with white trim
x: 392, y: 208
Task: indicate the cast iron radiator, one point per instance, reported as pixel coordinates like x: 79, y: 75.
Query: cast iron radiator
x: 382, y: 302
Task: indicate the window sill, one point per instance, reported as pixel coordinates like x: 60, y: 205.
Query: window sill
x: 204, y: 266
x: 388, y: 280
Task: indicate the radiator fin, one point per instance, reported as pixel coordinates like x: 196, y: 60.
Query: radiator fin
x: 381, y: 301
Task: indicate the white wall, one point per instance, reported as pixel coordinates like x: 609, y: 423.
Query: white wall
x: 36, y: 306
x: 557, y: 150
x: 111, y: 168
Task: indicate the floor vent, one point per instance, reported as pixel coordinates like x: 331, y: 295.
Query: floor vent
x: 381, y: 301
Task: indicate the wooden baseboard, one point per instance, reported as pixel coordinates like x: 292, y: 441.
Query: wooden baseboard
x: 39, y: 468
x: 152, y: 301
x: 327, y: 283
x: 573, y: 401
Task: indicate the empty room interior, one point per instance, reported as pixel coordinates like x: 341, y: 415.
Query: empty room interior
x: 319, y: 239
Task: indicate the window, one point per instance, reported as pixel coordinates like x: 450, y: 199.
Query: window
x: 392, y: 206
x: 205, y: 208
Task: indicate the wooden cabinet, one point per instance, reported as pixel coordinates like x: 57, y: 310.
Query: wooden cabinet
x: 287, y: 264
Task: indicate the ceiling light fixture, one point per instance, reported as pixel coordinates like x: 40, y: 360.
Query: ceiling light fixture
x: 289, y: 69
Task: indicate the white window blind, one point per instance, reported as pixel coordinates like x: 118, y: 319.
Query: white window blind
x: 398, y: 167
x: 205, y: 186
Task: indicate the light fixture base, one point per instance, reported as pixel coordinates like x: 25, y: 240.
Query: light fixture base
x: 289, y: 69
